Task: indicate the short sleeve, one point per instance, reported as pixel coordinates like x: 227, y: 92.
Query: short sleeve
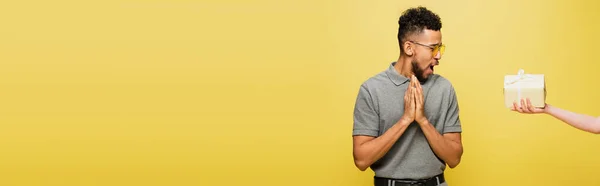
x: 452, y: 117
x: 366, y: 118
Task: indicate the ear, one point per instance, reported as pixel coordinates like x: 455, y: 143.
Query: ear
x: 408, y: 48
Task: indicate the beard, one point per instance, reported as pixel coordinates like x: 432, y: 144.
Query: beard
x: 419, y: 73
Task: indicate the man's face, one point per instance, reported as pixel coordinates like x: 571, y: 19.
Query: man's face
x: 424, y: 58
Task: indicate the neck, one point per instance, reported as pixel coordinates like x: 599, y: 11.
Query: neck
x: 404, y: 66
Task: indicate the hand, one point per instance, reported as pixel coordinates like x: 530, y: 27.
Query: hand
x: 419, y: 102
x: 409, y: 103
x: 527, y: 108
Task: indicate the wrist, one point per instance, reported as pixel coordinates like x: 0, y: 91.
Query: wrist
x: 404, y: 121
x: 422, y: 121
x: 547, y: 108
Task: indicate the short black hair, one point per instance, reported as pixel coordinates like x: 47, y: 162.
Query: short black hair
x: 415, y: 20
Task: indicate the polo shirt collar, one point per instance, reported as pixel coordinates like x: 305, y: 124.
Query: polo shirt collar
x: 395, y: 76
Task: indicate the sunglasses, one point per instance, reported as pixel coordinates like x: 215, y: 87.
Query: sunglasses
x: 435, y: 48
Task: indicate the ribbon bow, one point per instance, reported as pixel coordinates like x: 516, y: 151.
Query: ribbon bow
x: 521, y: 76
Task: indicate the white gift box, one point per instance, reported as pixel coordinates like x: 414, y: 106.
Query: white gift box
x: 521, y: 85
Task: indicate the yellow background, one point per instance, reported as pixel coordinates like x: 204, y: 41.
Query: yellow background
x: 262, y: 92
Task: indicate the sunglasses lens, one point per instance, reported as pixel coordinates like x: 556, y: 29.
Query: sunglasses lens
x: 440, y: 49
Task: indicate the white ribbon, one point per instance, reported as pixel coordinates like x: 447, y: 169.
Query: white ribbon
x: 521, y: 76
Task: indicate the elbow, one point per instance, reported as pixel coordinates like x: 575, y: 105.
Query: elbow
x: 361, y: 164
x: 454, y: 163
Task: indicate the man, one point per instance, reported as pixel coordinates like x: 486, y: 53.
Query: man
x: 406, y: 124
x: 580, y: 121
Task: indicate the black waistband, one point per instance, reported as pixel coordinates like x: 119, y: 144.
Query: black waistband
x: 433, y: 181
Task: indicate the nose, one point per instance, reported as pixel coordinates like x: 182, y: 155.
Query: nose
x: 438, y: 56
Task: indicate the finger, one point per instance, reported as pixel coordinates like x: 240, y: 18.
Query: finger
x: 534, y: 109
x: 422, y: 94
x: 529, y: 106
x: 421, y: 100
x: 517, y: 107
x: 419, y: 95
x: 407, y: 93
x: 416, y: 98
x: 414, y: 95
x: 418, y: 83
x: 524, y: 106
x: 409, y: 98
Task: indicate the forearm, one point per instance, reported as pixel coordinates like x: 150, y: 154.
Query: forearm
x: 448, y: 150
x: 370, y: 151
x: 579, y: 121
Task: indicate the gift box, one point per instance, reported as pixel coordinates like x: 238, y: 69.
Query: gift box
x: 521, y: 85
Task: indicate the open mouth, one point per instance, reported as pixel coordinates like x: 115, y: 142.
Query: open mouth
x: 431, y: 67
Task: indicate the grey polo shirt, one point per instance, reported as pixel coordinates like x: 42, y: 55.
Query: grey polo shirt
x: 380, y: 104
